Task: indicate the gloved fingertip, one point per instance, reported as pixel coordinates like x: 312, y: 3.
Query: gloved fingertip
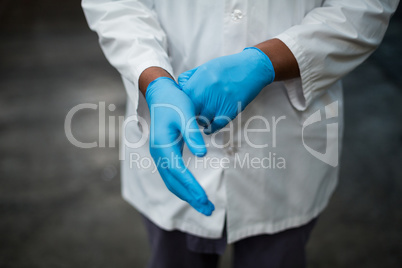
x: 182, y: 80
x: 202, y: 122
x: 201, y: 152
x: 208, y: 209
x: 205, y: 208
x: 197, y: 146
x: 184, y: 77
x: 207, y: 213
x: 208, y: 131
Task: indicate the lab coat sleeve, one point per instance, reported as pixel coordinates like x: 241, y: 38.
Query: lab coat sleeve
x: 331, y: 41
x: 130, y: 36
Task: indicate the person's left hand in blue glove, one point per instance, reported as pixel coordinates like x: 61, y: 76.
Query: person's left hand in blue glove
x: 218, y: 86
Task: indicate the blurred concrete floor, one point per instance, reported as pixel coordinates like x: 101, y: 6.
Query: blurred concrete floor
x: 60, y: 206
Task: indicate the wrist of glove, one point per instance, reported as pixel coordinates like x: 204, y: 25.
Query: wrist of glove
x: 262, y: 65
x: 223, y: 87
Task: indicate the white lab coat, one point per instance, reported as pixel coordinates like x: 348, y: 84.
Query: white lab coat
x: 328, y: 39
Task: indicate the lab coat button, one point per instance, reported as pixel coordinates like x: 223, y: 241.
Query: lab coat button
x: 237, y: 15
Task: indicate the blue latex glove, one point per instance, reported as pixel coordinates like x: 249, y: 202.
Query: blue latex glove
x: 217, y: 86
x: 172, y: 120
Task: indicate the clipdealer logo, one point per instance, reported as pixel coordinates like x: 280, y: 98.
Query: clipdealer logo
x: 330, y: 156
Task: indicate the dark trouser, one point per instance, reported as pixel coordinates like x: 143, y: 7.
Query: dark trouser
x: 175, y: 249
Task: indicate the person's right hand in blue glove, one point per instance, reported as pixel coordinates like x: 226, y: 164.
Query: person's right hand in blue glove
x: 172, y: 120
x: 218, y: 86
